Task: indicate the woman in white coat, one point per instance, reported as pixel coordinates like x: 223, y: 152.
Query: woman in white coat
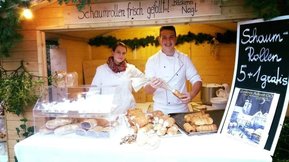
x: 114, y: 77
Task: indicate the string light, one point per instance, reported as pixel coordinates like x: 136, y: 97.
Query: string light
x: 27, y: 13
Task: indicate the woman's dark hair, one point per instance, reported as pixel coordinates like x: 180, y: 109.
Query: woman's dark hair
x: 172, y: 28
x: 119, y: 44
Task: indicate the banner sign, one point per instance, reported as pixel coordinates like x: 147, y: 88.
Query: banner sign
x: 141, y: 10
x: 259, y: 98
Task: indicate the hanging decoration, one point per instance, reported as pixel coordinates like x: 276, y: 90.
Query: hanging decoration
x: 214, y: 49
x: 200, y: 38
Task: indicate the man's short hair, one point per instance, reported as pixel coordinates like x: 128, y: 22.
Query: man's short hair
x: 172, y: 28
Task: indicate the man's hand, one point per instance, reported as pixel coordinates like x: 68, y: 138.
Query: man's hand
x: 156, y: 83
x: 186, y: 97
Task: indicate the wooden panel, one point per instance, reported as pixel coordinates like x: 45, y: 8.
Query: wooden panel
x: 140, y: 64
x: 52, y: 23
x: 89, y: 68
x: 28, y: 24
x: 28, y: 45
x: 13, y: 122
x: 50, y: 12
x: 26, y: 56
x: 140, y: 96
x: 13, y: 65
x: 28, y: 35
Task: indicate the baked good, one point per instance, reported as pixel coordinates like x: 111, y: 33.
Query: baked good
x: 88, y: 123
x: 162, y: 131
x: 134, y: 112
x: 147, y: 127
x: 140, y: 121
x: 178, y: 94
x: 80, y: 132
x: 189, y: 128
x: 169, y: 122
x: 54, y: 123
x: 102, y: 122
x: 201, y: 120
x: 210, y: 127
x: 157, y: 113
x: 106, y: 129
x: 173, y: 130
x: 162, y: 119
x: 44, y: 130
x: 190, y: 118
x: 66, y: 129
x: 97, y: 128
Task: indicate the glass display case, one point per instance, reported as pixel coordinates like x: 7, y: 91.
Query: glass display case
x: 84, y: 110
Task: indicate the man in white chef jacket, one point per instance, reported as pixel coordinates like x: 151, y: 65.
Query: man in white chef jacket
x: 172, y: 67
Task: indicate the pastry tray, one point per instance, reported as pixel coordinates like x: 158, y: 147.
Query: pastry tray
x: 216, y: 115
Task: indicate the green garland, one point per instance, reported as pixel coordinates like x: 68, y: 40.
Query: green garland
x: 227, y: 37
x: 18, y: 89
x: 268, y: 9
x: 9, y: 26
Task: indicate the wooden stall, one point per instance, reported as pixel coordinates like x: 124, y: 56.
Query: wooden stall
x: 215, y: 62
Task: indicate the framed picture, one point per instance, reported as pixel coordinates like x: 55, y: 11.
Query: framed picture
x: 250, y: 116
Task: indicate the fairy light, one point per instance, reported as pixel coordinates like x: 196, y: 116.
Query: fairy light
x: 27, y: 13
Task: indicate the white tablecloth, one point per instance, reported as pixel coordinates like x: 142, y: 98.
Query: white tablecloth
x: 182, y: 148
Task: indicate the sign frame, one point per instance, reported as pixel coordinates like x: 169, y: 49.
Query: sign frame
x: 275, y: 68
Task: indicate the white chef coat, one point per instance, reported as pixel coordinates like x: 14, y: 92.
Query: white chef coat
x: 174, y: 70
x: 118, y: 84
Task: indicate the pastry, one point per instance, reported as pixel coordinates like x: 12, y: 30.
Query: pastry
x: 201, y: 120
x: 163, y: 118
x: 106, y: 129
x: 157, y: 113
x: 102, y: 122
x: 66, y: 129
x: 178, y: 94
x: 81, y: 132
x: 210, y: 127
x: 54, y: 123
x: 97, y: 128
x: 146, y: 128
x: 162, y: 131
x: 169, y: 122
x: 189, y: 128
x: 88, y: 124
x: 140, y: 121
x: 134, y: 112
x: 173, y: 130
x: 44, y: 130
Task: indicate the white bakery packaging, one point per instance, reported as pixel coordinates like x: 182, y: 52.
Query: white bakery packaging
x: 83, y: 110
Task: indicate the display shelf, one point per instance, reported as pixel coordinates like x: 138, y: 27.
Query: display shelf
x: 83, y: 110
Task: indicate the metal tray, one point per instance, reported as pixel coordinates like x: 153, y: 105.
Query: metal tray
x: 216, y: 115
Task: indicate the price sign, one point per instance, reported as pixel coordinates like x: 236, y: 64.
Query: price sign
x: 263, y: 56
x: 262, y: 67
